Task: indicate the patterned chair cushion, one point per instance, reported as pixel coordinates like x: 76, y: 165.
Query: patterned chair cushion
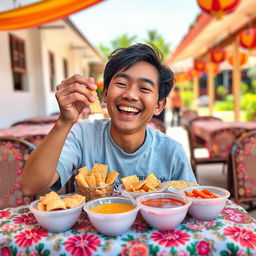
x: 244, y: 167
x: 13, y: 155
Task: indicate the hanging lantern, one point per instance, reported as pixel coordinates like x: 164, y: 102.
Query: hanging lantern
x: 247, y: 38
x: 218, y: 8
x: 243, y: 59
x: 217, y: 55
x: 199, y: 65
x: 194, y: 73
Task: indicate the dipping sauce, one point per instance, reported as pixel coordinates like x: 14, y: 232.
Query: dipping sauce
x: 112, y: 208
x: 163, y: 202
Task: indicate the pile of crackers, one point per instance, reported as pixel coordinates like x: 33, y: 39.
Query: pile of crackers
x: 97, y: 182
x: 133, y: 184
x: 53, y: 202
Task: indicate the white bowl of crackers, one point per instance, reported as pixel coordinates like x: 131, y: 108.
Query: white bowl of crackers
x: 136, y: 187
x: 95, y: 183
x: 57, y: 213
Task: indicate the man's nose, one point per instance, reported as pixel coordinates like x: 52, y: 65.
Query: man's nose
x: 131, y: 93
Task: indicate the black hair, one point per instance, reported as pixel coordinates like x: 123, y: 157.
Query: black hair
x: 124, y: 58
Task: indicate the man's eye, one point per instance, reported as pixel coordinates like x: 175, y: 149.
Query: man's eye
x: 121, y: 84
x: 145, y: 89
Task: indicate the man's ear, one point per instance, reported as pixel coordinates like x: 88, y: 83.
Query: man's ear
x: 105, y: 95
x: 160, y: 106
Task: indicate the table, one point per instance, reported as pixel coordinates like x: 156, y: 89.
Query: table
x: 204, y: 129
x: 23, y: 130
x: 232, y: 233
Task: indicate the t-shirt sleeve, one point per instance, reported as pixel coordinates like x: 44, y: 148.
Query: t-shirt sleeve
x: 70, y: 157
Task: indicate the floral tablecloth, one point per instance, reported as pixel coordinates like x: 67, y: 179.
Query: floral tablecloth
x: 232, y: 233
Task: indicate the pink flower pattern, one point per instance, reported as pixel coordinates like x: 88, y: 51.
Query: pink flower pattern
x: 82, y: 245
x: 170, y: 238
x: 245, y: 237
x: 27, y: 219
x: 203, y: 248
x: 30, y: 237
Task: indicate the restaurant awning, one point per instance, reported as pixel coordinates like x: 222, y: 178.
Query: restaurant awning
x: 207, y: 33
x: 42, y: 12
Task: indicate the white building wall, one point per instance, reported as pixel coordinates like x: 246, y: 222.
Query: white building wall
x: 18, y: 105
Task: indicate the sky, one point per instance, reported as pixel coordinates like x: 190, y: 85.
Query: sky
x: 105, y: 21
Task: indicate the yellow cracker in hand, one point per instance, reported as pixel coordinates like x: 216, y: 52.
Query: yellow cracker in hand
x: 84, y: 171
x: 102, y: 169
x: 152, y: 180
x: 95, y: 106
x: 112, y: 176
x: 54, y: 205
x: 80, y: 179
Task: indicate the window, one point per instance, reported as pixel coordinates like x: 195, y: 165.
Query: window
x: 65, y: 68
x: 52, y: 71
x: 18, y: 62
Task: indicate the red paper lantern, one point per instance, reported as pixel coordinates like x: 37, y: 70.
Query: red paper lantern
x: 243, y: 59
x: 199, y: 65
x: 217, y: 55
x: 218, y: 8
x: 247, y: 38
x: 194, y: 73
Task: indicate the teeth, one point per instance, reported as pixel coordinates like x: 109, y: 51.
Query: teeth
x: 129, y: 109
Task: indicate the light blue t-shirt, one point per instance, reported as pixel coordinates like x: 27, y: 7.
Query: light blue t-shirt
x: 90, y: 142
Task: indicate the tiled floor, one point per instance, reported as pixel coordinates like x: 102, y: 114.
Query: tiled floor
x: 210, y: 174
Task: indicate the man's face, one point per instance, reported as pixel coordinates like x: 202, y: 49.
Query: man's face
x: 132, y: 97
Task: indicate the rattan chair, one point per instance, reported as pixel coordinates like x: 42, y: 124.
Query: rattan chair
x: 13, y: 154
x: 243, y: 157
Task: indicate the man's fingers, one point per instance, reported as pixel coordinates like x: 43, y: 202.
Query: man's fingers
x: 87, y: 82
x: 72, y: 99
x: 76, y: 88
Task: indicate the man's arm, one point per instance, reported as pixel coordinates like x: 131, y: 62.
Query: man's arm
x: 73, y: 94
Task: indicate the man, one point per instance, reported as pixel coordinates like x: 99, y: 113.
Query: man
x: 136, y: 85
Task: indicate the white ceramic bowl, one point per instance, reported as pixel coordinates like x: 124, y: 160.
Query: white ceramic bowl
x: 111, y: 224
x: 136, y: 194
x: 207, y: 208
x: 56, y: 221
x: 164, y: 218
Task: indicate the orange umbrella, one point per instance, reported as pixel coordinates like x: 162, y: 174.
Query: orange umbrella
x: 218, y: 8
x: 39, y: 13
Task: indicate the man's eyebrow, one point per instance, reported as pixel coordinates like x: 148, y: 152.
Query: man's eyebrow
x: 146, y: 80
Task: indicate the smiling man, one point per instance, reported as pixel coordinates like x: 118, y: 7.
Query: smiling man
x: 136, y: 85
